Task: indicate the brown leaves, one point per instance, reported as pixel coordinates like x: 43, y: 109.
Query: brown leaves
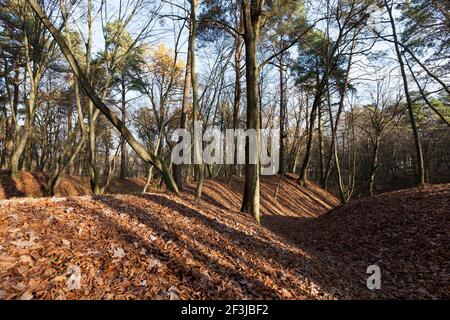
x: 405, y: 232
x: 158, y: 246
x: 21, y: 243
x: 118, y: 253
x: 74, y: 280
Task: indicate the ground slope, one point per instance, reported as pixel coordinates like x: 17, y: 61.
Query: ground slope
x: 28, y: 184
x: 292, y: 200
x: 145, y: 246
x: 405, y: 232
x: 160, y: 246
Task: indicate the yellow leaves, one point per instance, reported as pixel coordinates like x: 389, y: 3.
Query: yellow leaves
x: 162, y: 63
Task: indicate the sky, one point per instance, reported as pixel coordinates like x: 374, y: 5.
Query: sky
x: 362, y: 68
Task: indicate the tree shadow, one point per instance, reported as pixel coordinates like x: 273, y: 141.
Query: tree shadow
x: 195, y: 279
x: 402, y: 234
x: 222, y: 243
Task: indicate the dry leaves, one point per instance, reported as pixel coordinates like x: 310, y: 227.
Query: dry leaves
x: 159, y: 246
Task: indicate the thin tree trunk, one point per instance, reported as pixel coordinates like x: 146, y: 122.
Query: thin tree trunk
x: 178, y: 169
x: 123, y: 152
x: 35, y: 76
x: 237, y: 83
x: 111, y: 116
x: 321, y: 155
x: 195, y: 109
x: 373, y: 165
x: 150, y: 170
x: 420, y: 163
x: 312, y: 119
x: 12, y: 121
x: 334, y: 127
x: 283, y: 135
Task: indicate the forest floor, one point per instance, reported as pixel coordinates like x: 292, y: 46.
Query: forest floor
x: 162, y: 246
x: 29, y: 184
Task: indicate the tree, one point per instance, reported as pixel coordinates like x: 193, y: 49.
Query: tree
x: 419, y: 155
x: 287, y: 20
x: 120, y: 43
x: 38, y: 48
x: 111, y: 116
x: 377, y: 124
x: 195, y: 108
x: 159, y: 78
x: 254, y: 14
x: 348, y: 17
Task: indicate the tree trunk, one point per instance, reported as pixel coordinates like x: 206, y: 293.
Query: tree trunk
x: 28, y: 125
x: 420, y: 163
x: 178, y: 169
x: 251, y: 15
x: 237, y: 84
x: 55, y: 179
x: 283, y: 135
x: 12, y: 121
x: 93, y: 169
x: 312, y: 119
x: 321, y: 155
x: 123, y: 152
x: 334, y: 127
x: 156, y: 152
x: 373, y: 165
x: 195, y: 109
x: 111, y: 116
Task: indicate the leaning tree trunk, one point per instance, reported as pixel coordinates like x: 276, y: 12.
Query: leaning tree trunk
x: 110, y: 115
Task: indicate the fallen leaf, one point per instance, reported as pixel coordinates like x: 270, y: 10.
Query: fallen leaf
x: 26, y: 296
x: 118, y: 253
x: 74, y: 282
x: 173, y: 293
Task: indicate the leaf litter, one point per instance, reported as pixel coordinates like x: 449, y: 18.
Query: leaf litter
x: 162, y: 246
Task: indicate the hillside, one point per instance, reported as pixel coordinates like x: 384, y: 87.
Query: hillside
x: 159, y: 246
x: 29, y: 184
x: 405, y: 232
